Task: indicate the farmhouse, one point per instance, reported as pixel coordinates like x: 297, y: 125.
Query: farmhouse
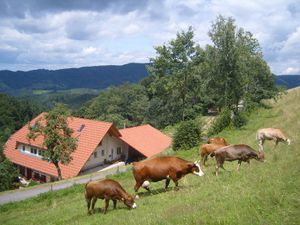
x: 99, y: 145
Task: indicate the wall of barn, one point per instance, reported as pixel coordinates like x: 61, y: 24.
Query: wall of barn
x: 108, y: 150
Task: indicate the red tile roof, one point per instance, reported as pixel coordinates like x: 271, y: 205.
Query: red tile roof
x: 88, y: 140
x: 146, y: 139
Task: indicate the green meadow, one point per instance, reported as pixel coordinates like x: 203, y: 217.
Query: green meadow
x: 263, y: 193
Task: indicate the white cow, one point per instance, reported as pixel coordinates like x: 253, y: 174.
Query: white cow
x: 274, y: 134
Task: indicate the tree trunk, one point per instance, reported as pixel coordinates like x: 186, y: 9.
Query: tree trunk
x: 58, y: 171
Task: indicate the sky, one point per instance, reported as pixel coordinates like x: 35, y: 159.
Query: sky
x: 55, y: 34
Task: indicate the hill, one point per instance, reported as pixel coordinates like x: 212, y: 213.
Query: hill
x: 289, y: 81
x: 263, y: 193
x: 96, y: 77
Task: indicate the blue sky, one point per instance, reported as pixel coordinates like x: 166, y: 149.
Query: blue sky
x: 55, y: 34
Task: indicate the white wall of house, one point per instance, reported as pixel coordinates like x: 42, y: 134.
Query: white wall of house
x: 110, y: 149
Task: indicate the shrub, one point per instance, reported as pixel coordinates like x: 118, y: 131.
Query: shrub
x: 220, y: 123
x: 239, y: 120
x: 187, y: 135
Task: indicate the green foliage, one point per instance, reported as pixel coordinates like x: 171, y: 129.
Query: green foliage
x: 14, y: 114
x: 57, y: 135
x: 239, y: 120
x: 124, y: 105
x: 172, y: 86
x: 187, y: 135
x: 8, y: 173
x: 223, y: 120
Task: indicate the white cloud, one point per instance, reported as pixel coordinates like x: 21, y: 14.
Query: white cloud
x: 291, y: 70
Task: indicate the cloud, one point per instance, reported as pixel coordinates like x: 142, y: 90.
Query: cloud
x: 58, y: 34
x: 291, y: 70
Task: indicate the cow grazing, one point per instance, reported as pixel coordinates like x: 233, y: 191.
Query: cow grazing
x: 217, y: 140
x: 206, y: 150
x: 109, y: 190
x: 163, y: 168
x: 238, y: 152
x: 274, y: 134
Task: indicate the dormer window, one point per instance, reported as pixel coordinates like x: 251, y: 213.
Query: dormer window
x: 23, y: 148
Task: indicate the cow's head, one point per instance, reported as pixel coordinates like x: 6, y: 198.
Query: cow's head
x: 260, y: 156
x: 196, y: 169
x: 129, y: 201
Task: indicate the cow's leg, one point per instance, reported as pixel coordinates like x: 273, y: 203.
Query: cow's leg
x: 217, y: 170
x: 136, y: 188
x: 174, y: 176
x: 167, y: 183
x: 88, y: 202
x: 205, y: 159
x: 106, y: 205
x: 239, y: 165
x: 276, y: 143
x: 219, y: 163
x: 261, y: 144
x: 93, y: 204
x: 115, y: 203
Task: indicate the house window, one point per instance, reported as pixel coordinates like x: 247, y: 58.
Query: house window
x: 119, y: 150
x: 95, y: 154
x: 23, y: 148
x: 102, y: 152
x: 39, y: 152
x: 31, y: 151
x: 35, y: 151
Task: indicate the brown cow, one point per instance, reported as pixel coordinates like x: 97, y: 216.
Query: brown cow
x: 217, y: 140
x: 163, y: 168
x: 109, y: 190
x: 239, y: 152
x: 206, y: 150
x: 271, y: 134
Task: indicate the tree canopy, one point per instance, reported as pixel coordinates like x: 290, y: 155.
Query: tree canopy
x: 58, y: 139
x: 186, y: 79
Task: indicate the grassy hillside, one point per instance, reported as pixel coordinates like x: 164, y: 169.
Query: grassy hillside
x: 264, y: 193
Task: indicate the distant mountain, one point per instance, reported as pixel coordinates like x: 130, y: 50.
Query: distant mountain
x: 96, y: 77
x: 289, y: 81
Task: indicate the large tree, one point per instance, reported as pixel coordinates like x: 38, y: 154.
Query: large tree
x: 237, y: 69
x: 58, y: 140
x: 173, y: 80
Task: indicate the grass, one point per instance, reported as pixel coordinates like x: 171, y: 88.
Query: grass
x: 264, y: 193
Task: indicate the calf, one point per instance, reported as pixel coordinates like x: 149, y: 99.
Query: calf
x: 163, y: 168
x: 213, y: 144
x: 274, y: 134
x: 217, y: 140
x: 239, y: 152
x: 109, y: 190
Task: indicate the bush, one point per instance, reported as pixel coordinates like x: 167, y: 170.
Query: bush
x: 8, y: 174
x: 239, y: 120
x: 220, y: 123
x: 187, y: 135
